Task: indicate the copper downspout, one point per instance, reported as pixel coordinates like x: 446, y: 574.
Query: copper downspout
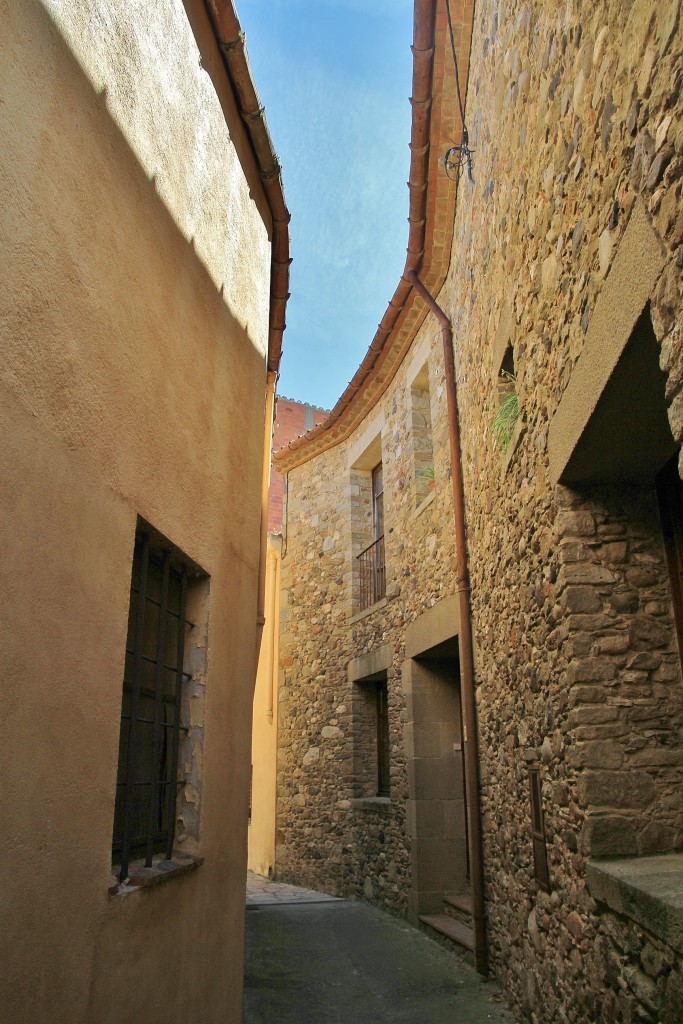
x: 471, y: 737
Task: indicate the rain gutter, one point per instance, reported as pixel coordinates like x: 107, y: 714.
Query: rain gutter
x: 230, y: 39
x: 467, y: 687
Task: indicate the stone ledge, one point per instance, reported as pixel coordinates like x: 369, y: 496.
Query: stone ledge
x: 142, y: 877
x: 368, y: 611
x: 423, y: 505
x: 648, y: 890
x: 513, y: 445
x: 371, y: 803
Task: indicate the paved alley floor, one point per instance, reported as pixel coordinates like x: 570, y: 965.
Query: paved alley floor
x: 314, y: 959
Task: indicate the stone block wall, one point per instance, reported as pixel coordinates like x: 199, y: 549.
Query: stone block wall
x: 574, y: 113
x: 643, y: 974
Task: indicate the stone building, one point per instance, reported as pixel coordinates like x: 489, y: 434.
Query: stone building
x: 145, y: 250
x: 559, y: 270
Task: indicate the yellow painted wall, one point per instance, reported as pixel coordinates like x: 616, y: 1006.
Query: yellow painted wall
x: 129, y: 385
x: 264, y: 729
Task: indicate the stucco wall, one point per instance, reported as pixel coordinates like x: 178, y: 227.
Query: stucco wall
x: 130, y: 386
x: 165, y: 90
x: 264, y: 729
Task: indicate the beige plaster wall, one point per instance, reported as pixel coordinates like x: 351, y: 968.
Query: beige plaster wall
x: 129, y: 386
x: 264, y: 730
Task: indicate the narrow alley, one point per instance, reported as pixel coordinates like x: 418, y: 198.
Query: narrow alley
x: 315, y: 958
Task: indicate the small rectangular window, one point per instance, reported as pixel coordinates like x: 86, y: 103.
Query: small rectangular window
x: 420, y: 429
x: 538, y: 830
x: 371, y: 737
x: 151, y: 726
x: 506, y: 418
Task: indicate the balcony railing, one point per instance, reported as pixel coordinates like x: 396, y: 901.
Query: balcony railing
x: 372, y: 574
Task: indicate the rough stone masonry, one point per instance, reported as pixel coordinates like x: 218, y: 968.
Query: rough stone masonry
x: 574, y: 112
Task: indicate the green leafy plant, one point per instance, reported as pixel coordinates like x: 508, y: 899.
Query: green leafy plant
x: 508, y: 411
x: 428, y: 473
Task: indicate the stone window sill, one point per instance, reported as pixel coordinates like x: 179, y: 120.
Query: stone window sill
x: 513, y: 444
x: 141, y: 877
x: 648, y: 890
x: 371, y: 803
x: 423, y: 505
x: 368, y: 611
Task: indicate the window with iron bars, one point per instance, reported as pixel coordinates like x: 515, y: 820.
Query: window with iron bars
x: 371, y: 566
x: 151, y: 710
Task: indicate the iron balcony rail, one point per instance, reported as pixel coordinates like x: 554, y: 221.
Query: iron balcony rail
x: 372, y: 574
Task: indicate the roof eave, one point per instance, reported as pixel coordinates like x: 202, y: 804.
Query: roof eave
x: 435, y: 122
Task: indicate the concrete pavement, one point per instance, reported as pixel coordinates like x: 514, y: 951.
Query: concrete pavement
x: 312, y: 959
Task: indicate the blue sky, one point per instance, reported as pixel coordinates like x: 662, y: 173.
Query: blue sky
x: 335, y: 78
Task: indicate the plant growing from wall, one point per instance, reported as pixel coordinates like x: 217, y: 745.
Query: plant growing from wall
x: 508, y: 410
x: 427, y: 474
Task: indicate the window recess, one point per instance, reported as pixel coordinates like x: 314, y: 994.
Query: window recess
x: 371, y: 565
x: 371, y: 737
x: 541, y: 873
x: 153, y: 726
x: 420, y: 431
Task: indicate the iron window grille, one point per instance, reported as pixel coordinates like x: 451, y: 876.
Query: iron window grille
x: 147, y: 780
x: 371, y: 566
x: 541, y: 873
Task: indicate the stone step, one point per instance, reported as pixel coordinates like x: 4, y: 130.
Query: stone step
x: 454, y: 930
x: 459, y: 907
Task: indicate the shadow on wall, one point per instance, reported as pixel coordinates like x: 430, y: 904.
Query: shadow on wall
x: 131, y: 71
x: 83, y: 202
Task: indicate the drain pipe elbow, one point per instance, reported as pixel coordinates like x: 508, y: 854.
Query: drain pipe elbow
x: 471, y: 737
